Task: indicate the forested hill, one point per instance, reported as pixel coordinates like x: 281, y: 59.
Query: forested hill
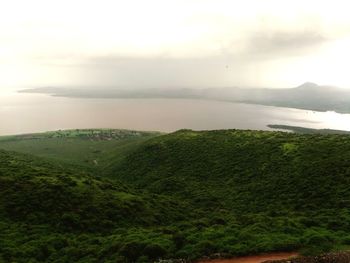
x: 52, y: 213
x: 286, y: 190
x: 245, y: 171
x: 183, y: 195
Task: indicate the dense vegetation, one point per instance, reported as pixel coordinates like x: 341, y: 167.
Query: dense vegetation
x: 183, y: 195
x: 55, y: 213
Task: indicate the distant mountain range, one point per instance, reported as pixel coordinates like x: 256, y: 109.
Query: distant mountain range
x: 304, y: 130
x: 309, y: 96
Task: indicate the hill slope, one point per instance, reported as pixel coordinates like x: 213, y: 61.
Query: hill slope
x: 51, y: 213
x: 245, y: 170
x: 182, y: 195
x: 88, y: 148
x: 268, y: 182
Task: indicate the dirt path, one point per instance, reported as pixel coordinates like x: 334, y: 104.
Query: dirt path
x: 253, y: 259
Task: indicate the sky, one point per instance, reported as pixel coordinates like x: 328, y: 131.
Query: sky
x: 163, y: 43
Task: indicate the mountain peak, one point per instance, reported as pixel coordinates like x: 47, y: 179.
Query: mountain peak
x: 308, y: 85
x: 313, y: 87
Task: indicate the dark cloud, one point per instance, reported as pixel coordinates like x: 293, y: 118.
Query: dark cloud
x: 284, y: 43
x: 230, y: 67
x: 156, y: 71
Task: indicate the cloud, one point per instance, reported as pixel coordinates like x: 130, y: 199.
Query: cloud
x: 160, y: 42
x: 284, y: 43
x: 155, y: 71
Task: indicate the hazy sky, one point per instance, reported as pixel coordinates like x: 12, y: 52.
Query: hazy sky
x: 270, y: 43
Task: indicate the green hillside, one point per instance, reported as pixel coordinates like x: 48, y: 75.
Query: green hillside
x: 183, y: 195
x: 251, y: 171
x: 89, y: 148
x: 51, y: 213
x: 274, y: 183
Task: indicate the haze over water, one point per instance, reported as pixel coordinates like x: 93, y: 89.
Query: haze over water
x: 25, y: 113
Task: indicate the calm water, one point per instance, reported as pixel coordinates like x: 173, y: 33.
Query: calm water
x: 23, y: 113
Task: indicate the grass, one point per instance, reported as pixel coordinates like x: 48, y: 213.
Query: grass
x: 93, y: 148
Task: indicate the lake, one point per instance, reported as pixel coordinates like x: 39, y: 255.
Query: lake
x: 25, y: 113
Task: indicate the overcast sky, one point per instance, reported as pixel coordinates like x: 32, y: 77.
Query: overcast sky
x: 269, y: 43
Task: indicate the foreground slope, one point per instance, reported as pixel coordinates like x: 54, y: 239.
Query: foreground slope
x: 51, y: 213
x: 285, y: 190
x: 182, y: 195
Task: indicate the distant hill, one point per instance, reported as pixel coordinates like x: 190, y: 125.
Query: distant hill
x: 88, y: 148
x: 304, y: 130
x: 309, y: 96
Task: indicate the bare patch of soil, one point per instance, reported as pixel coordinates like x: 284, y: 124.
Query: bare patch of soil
x: 254, y: 259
